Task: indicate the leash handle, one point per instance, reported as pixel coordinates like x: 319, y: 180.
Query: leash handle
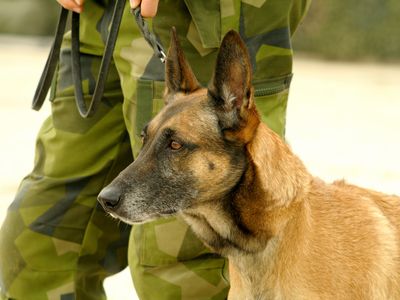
x: 51, y: 63
x: 53, y: 58
x: 148, y: 35
x: 85, y: 111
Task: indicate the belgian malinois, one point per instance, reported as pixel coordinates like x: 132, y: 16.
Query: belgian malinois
x: 288, y: 235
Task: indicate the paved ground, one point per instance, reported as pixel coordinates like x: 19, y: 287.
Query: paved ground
x: 343, y: 121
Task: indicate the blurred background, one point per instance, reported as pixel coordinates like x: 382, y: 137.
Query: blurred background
x: 343, y: 116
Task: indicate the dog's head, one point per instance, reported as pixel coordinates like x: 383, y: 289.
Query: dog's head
x: 194, y: 150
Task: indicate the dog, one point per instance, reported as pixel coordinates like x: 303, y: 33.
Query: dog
x: 287, y: 234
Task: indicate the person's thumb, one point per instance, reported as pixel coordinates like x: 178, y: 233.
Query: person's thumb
x: 148, y: 7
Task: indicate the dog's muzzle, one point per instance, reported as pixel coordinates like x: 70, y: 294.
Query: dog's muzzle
x: 109, y: 197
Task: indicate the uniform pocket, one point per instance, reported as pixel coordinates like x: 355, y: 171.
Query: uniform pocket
x: 168, y: 241
x: 207, y: 20
x: 271, y: 98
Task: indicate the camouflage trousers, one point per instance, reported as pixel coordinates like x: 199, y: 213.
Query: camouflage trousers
x: 56, y: 242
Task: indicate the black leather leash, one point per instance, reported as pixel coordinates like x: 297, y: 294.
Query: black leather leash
x: 53, y: 58
x: 105, y: 62
x: 51, y: 63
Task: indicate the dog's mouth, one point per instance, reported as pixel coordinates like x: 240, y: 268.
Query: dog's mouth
x: 132, y: 219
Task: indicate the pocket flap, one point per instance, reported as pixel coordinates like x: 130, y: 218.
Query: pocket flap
x: 207, y: 20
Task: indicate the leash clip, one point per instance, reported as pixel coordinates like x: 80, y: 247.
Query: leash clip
x: 148, y: 36
x: 162, y: 56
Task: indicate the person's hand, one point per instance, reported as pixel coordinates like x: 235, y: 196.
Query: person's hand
x: 75, y: 5
x: 148, y: 7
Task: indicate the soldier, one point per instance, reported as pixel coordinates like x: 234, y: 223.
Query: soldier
x: 56, y: 241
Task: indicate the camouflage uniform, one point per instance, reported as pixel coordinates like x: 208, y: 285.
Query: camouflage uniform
x: 56, y: 242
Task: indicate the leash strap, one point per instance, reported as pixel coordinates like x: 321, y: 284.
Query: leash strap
x: 53, y: 58
x: 104, y: 66
x: 51, y: 63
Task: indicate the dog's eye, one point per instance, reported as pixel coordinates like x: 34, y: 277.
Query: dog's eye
x: 174, y: 145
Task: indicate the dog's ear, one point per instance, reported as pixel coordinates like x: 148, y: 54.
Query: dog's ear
x: 179, y: 76
x: 231, y: 89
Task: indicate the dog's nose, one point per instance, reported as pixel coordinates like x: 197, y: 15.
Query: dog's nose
x: 109, y: 197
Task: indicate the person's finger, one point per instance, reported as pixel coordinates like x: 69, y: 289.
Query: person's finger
x: 71, y: 5
x: 134, y: 3
x: 149, y: 8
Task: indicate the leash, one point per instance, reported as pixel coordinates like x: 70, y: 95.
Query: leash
x: 105, y: 62
x: 149, y: 36
x: 54, y: 56
x: 51, y: 63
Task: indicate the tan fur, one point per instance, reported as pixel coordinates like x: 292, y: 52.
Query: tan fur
x: 287, y: 234
x: 332, y: 241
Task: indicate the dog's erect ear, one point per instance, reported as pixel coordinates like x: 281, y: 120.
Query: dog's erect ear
x: 179, y: 76
x: 231, y: 87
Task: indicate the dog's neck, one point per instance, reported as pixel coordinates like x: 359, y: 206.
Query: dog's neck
x: 275, y: 182
x: 271, y: 203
